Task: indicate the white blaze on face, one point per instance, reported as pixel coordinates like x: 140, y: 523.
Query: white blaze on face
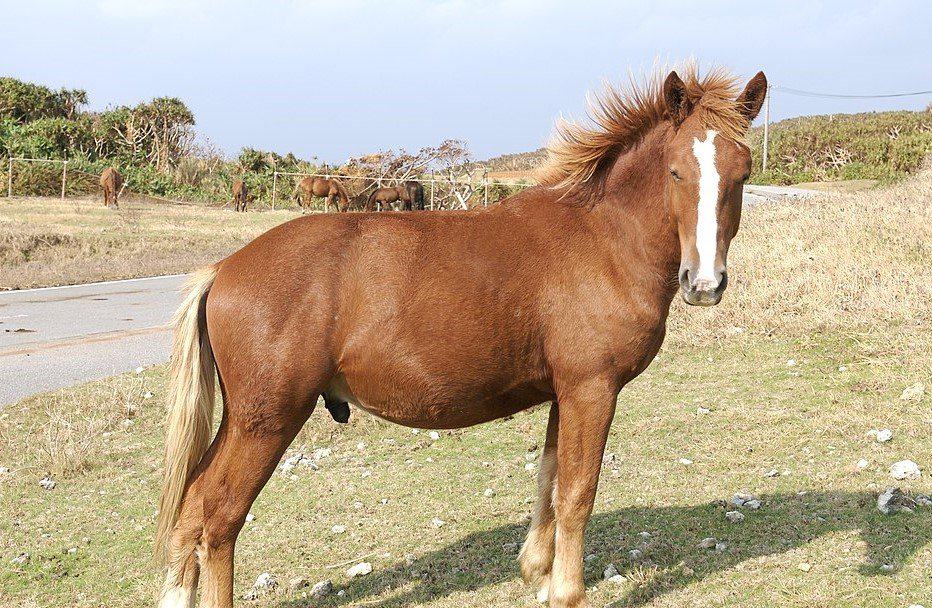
x: 707, y: 223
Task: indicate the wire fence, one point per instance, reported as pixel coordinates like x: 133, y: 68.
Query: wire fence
x: 60, y: 178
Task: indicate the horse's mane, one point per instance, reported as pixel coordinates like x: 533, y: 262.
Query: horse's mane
x: 622, y: 117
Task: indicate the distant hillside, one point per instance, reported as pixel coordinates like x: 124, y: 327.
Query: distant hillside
x: 873, y: 145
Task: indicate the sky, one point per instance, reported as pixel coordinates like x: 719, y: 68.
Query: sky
x: 338, y: 78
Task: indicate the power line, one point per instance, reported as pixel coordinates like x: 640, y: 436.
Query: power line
x: 803, y: 93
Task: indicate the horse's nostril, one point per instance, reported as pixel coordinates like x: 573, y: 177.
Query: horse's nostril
x: 684, y: 277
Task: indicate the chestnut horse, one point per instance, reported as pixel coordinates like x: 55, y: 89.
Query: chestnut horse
x: 558, y: 294
x: 111, y: 182
x: 240, y: 195
x: 331, y: 190
x: 410, y: 194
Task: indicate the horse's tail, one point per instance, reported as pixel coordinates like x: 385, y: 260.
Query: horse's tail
x: 418, y: 196
x: 370, y: 202
x: 343, y: 195
x: 190, y: 402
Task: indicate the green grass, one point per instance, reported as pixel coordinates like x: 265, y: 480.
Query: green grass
x: 809, y: 420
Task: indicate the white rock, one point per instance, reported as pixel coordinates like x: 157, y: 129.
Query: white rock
x: 20, y: 559
x: 635, y: 555
x: 923, y: 501
x: 437, y: 522
x: 410, y: 558
x: 888, y: 568
x: 73, y: 550
x: 894, y: 501
x: 139, y: 370
x: 842, y: 368
x: 489, y: 493
x: 805, y: 567
x: 905, y: 469
x: 148, y: 395
x: 434, y: 435
x: 739, y: 499
x: 884, y: 435
x: 609, y: 572
x: 708, y: 543
x: 360, y: 569
x: 913, y: 393
x: 250, y: 517
x: 772, y: 473
x: 265, y: 583
x: 702, y: 411
x: 321, y: 453
x: 321, y: 589
x: 685, y: 461
x: 4, y: 470
x: 863, y: 464
x: 645, y: 535
x: 753, y: 504
x: 791, y: 362
x: 735, y: 517
x: 338, y: 529
x: 617, y: 579
x: 720, y: 547
x: 47, y: 483
x: 530, y: 466
x: 590, y: 558
x: 915, y: 606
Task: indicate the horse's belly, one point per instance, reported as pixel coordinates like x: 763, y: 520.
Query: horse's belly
x: 418, y: 406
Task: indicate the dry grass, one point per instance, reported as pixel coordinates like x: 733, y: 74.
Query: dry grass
x: 840, y: 285
x: 47, y: 241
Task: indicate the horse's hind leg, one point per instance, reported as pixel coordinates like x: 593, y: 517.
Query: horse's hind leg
x: 244, y: 455
x: 536, y: 556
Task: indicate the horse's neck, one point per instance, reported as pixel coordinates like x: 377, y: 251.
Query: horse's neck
x: 633, y: 215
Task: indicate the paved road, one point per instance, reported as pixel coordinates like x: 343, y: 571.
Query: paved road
x: 60, y: 336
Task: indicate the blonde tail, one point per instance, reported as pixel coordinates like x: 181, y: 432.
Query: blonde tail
x: 190, y: 402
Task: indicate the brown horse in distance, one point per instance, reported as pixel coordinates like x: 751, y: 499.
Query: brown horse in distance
x: 240, y: 195
x: 111, y: 181
x: 410, y: 194
x: 331, y: 190
x: 558, y: 294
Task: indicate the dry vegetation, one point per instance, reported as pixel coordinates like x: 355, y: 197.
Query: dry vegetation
x: 840, y: 284
x: 46, y: 241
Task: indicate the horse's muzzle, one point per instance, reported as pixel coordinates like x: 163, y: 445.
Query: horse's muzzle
x: 702, y: 292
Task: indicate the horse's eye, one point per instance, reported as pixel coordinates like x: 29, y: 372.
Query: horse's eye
x: 675, y: 175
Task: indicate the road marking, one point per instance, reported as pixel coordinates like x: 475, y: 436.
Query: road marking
x: 109, y: 336
x: 163, y: 276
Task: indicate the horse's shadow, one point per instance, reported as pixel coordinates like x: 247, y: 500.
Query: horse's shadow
x: 671, y: 555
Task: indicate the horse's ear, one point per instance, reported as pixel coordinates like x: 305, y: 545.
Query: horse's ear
x: 752, y: 98
x: 674, y: 95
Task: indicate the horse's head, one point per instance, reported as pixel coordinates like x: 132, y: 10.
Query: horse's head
x: 707, y: 166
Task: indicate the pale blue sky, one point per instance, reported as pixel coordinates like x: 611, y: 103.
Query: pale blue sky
x: 335, y: 78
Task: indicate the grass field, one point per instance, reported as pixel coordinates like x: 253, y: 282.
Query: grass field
x: 825, y: 325
x: 47, y: 241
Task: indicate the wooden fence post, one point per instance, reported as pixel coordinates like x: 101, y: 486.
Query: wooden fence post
x: 766, y: 132
x: 9, y: 179
x: 274, y: 188
x: 64, y: 178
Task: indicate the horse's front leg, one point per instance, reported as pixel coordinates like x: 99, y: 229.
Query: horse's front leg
x: 536, y: 556
x: 586, y: 412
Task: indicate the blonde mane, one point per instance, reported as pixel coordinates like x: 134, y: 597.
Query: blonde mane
x: 621, y: 117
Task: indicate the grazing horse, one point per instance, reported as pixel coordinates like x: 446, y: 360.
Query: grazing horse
x: 240, y: 195
x: 558, y: 294
x: 331, y: 190
x: 410, y: 194
x: 111, y: 181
